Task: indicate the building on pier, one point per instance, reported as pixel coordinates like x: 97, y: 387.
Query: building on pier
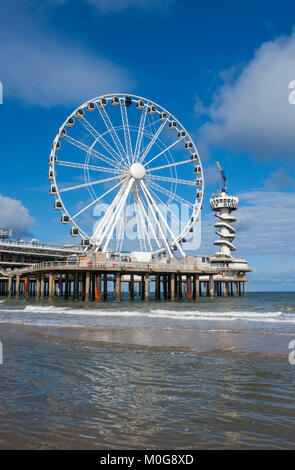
x: 20, y: 253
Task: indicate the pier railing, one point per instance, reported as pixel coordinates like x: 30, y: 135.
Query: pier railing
x: 119, y: 266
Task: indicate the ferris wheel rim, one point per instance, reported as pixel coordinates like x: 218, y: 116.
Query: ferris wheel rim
x: 196, y: 207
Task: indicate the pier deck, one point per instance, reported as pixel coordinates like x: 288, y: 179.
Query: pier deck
x: 101, y: 281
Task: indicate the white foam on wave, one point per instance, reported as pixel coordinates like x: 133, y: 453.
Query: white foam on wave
x: 188, y: 315
x: 41, y: 308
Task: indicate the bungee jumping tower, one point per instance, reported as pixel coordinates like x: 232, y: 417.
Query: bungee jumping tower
x: 223, y: 205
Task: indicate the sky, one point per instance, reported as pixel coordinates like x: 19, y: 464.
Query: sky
x: 223, y: 68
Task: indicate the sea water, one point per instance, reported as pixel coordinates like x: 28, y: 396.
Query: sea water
x: 158, y: 375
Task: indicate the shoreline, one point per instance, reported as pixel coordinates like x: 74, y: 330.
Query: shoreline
x: 261, y: 344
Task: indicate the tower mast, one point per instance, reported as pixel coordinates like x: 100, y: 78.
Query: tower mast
x: 223, y: 204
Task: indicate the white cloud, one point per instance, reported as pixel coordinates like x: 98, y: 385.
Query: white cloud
x: 108, y: 6
x: 46, y: 74
x: 14, y: 215
x: 40, y: 67
x: 265, y: 225
x: 211, y: 175
x: 252, y: 113
x: 280, y: 179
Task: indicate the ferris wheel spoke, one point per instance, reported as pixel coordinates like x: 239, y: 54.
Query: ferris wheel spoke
x: 121, y: 227
x: 138, y: 223
x: 140, y: 134
x: 140, y: 219
x: 151, y: 143
x: 169, y: 165
x: 98, y: 137
x: 116, y: 216
x: 154, y: 208
x: 91, y: 183
x: 163, y: 220
x: 96, y: 200
x: 172, y: 180
x: 106, y: 218
x: 126, y: 129
x: 113, y: 133
x: 89, y: 150
x: 84, y: 166
x: 149, y: 223
x: 163, y: 151
x: 171, y: 195
x: 168, y: 209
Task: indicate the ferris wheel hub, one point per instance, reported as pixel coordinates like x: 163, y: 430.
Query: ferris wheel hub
x: 137, y: 170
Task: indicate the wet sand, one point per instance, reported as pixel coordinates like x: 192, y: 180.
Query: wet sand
x: 267, y: 344
x: 144, y: 388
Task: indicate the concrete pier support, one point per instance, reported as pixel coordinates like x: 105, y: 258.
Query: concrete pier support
x: 50, y: 286
x: 98, y: 287
x: 66, y: 286
x: 131, y: 287
x: 165, y: 290
x: 235, y: 288
x: 225, y: 288
x: 158, y: 287
x: 172, y: 286
x: 105, y: 286
x: 179, y: 286
x: 17, y: 286
x: 142, y: 287
x: 118, y: 286
x: 42, y: 286
x: 38, y: 285
x: 87, y: 286
x: 211, y: 286
x: 244, y: 288
x: 169, y: 286
x: 9, y: 286
x: 76, y: 286
x: 146, y: 286
x: 189, y: 293
x: 196, y: 287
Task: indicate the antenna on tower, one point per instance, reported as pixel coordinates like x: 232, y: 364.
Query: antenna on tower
x: 223, y: 187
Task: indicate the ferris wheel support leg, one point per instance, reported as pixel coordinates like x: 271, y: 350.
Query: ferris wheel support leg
x: 156, y: 220
x: 117, y: 214
x: 150, y: 224
x: 106, y: 217
x: 137, y: 203
x: 165, y: 223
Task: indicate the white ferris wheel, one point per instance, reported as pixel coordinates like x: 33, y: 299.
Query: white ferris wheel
x: 126, y: 176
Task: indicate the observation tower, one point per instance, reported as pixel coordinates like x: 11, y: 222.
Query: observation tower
x: 223, y: 204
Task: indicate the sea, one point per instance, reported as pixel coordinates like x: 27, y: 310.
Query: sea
x: 213, y: 374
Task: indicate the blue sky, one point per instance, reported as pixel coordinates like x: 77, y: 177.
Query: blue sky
x: 222, y: 68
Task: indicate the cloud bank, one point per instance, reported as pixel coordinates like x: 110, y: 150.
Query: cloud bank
x: 40, y: 67
x: 14, y: 215
x: 109, y: 6
x: 252, y: 113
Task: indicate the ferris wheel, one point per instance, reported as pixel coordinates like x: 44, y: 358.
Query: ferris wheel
x: 126, y: 176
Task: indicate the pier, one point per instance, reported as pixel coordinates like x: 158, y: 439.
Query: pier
x: 114, y: 281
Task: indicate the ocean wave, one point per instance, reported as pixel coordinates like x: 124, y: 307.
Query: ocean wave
x: 31, y: 311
